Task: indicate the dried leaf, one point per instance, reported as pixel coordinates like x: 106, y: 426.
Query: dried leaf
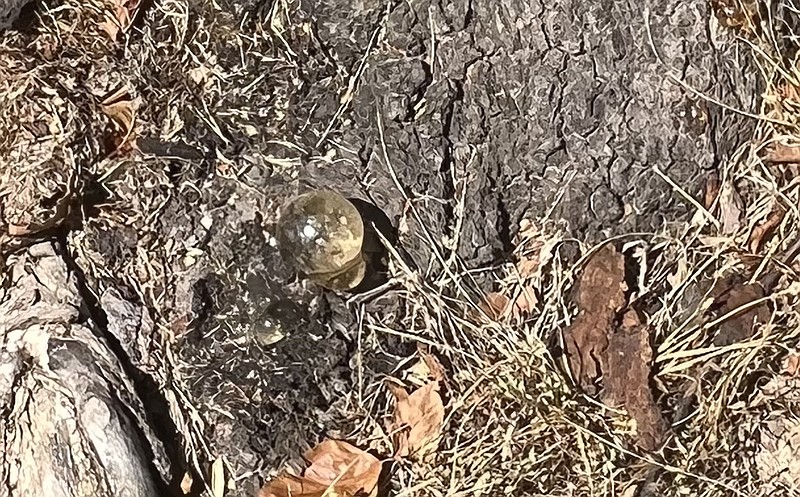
x: 791, y: 365
x: 336, y: 468
x: 730, y: 208
x: 186, y: 483
x: 417, y: 421
x: 600, y: 295
x: 734, y: 293
x: 498, y: 306
x: 124, y: 12
x: 525, y: 302
x: 435, y: 369
x: 711, y: 191
x: 120, y: 106
x: 782, y: 154
x: 756, y: 240
x: 626, y: 380
x: 495, y: 305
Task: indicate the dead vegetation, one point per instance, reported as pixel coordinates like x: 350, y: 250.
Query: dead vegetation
x: 658, y: 364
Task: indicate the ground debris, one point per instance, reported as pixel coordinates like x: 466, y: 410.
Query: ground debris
x: 626, y: 378
x: 121, y: 106
x: 600, y: 295
x: 335, y: 468
x: 598, y: 344
x: 124, y: 13
x: 730, y: 208
x: 782, y: 154
x: 417, y: 421
x: 498, y: 306
x: 734, y: 293
x: 757, y: 237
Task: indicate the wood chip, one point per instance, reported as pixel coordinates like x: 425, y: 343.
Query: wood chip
x: 600, y: 294
x: 627, y: 368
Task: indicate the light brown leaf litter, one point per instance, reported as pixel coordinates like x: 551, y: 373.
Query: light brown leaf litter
x: 600, y: 294
x: 734, y: 293
x: 757, y: 237
x: 598, y: 345
x: 519, y: 298
x: 121, y: 107
x: 498, y: 306
x: 336, y: 469
x: 730, y: 208
x: 782, y: 154
x: 791, y: 364
x: 429, y: 368
x: 121, y: 18
x: 627, y: 365
x: 417, y: 421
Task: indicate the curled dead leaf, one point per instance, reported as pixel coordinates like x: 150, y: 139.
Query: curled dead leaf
x: 336, y: 468
x: 730, y: 208
x: 121, y: 107
x: 417, y: 421
x: 121, y: 17
x: 760, y: 232
x: 498, y: 306
x: 782, y: 154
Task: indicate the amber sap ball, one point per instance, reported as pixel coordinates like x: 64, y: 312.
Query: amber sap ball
x: 322, y: 233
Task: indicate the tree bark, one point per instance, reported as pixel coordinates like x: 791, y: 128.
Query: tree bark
x: 69, y: 426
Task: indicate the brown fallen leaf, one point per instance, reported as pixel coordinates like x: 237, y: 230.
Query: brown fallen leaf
x: 760, y: 232
x: 121, y: 107
x: 791, y: 364
x: 498, y: 306
x: 600, y: 295
x: 417, y: 421
x: 336, y: 469
x: 626, y: 380
x: 122, y: 17
x: 730, y: 208
x: 435, y: 369
x: 782, y: 154
x: 495, y: 305
x: 711, y: 191
x: 732, y: 293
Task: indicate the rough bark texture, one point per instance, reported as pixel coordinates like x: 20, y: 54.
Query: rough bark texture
x: 493, y: 111
x: 9, y: 11
x: 537, y: 108
x: 69, y: 426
